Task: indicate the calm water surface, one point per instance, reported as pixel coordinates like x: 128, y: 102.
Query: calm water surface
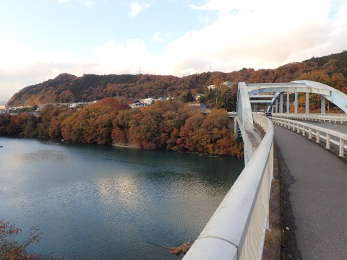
x: 95, y: 202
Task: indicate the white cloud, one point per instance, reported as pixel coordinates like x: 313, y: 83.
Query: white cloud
x: 158, y: 37
x: 136, y: 8
x: 244, y: 34
x: 258, y: 34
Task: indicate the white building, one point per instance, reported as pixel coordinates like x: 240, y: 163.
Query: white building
x: 145, y: 102
x: 137, y: 104
x: 148, y: 101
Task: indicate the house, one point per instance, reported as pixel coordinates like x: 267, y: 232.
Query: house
x: 211, y: 87
x: 76, y: 105
x: 137, y: 104
x: 147, y: 101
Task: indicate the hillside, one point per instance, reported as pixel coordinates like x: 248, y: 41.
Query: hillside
x: 331, y: 69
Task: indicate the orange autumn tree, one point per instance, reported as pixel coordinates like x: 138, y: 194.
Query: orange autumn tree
x: 166, y: 125
x: 92, y: 124
x: 176, y: 126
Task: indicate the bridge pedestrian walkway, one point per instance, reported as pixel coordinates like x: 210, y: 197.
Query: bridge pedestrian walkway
x: 318, y: 196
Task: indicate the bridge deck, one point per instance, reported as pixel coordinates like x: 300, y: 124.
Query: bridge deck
x: 318, y: 196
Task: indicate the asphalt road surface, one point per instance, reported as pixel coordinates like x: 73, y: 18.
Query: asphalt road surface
x: 318, y: 196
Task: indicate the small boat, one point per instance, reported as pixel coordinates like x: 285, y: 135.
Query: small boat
x: 1, y: 146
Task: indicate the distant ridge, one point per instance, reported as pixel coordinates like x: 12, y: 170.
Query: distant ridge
x: 70, y: 88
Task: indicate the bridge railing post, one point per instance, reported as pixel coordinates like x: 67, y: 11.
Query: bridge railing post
x: 327, y: 144
x: 341, y: 147
x: 317, y: 137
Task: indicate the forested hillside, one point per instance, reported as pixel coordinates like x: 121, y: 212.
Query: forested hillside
x: 166, y: 125
x: 330, y: 69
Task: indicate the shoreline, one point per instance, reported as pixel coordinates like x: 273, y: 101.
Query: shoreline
x: 124, y: 146
x: 128, y: 146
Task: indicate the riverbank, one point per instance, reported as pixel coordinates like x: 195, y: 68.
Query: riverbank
x: 128, y: 146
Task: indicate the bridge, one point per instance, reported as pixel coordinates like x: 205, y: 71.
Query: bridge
x: 312, y: 149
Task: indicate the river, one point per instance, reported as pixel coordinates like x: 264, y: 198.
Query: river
x: 98, y: 202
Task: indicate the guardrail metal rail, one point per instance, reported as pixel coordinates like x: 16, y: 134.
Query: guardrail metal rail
x: 326, y: 118
x: 330, y: 137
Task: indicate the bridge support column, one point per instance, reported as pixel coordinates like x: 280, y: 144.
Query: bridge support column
x: 287, y: 111
x: 276, y: 106
x: 322, y: 104
x: 307, y: 103
x: 296, y: 102
x: 281, y: 103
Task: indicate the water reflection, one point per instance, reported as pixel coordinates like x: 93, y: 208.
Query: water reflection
x: 94, y: 201
x: 122, y: 188
x: 43, y: 155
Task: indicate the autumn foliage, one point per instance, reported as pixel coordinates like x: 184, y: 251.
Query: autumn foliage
x: 69, y: 88
x: 11, y: 248
x: 166, y: 125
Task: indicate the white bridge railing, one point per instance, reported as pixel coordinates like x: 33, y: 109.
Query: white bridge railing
x: 331, y: 118
x: 237, y: 228
x: 321, y: 134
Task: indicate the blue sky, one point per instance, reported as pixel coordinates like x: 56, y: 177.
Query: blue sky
x: 42, y: 38
x: 75, y: 25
